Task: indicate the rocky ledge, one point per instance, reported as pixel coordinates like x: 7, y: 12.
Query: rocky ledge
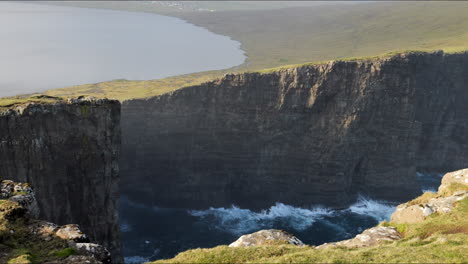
x: 25, y: 239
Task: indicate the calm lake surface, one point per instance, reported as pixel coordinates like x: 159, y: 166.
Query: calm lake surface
x: 44, y: 47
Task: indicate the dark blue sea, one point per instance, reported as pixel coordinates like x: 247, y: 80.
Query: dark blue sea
x: 151, y: 233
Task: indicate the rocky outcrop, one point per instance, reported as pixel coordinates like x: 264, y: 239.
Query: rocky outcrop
x: 456, y: 177
x: 69, y: 151
x: 417, y: 211
x: 370, y: 237
x: 313, y: 134
x: 265, y: 238
x: 18, y: 208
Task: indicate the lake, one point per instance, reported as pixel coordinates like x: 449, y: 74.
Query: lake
x: 44, y: 47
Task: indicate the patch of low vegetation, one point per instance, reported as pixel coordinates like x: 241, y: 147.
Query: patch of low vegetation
x: 21, y: 259
x: 453, y: 188
x: 424, y: 198
x: 65, y: 252
x: 6, y: 102
x: 125, y: 89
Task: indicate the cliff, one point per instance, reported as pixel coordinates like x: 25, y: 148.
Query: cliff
x: 25, y: 239
x: 429, y: 229
x: 311, y: 134
x: 67, y: 150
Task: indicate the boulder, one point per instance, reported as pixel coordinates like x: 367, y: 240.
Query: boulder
x: 266, y: 237
x: 71, y: 232
x: 459, y: 176
x: 97, y: 251
x: 370, y: 237
x: 21, y: 193
x: 43, y: 229
x: 410, y: 214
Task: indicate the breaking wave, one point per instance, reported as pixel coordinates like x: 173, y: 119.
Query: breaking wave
x: 240, y: 221
x: 429, y: 182
x: 379, y: 210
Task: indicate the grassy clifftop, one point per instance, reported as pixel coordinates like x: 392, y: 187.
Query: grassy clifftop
x: 127, y: 89
x: 7, y: 102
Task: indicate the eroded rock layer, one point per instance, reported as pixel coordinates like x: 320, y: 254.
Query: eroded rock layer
x: 306, y: 135
x: 69, y: 152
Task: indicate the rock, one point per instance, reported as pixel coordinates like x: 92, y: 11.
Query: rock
x: 266, y: 237
x: 43, y: 228
x: 71, y: 232
x: 409, y: 214
x: 21, y: 193
x: 97, y: 251
x: 459, y: 176
x: 370, y: 237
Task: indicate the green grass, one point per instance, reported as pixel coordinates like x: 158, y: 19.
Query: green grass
x: 125, y: 89
x: 64, y: 253
x: 298, y: 35
x: 7, y: 102
x: 20, y: 256
x: 453, y: 188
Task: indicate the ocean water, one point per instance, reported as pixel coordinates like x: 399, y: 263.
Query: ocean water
x: 44, y: 47
x: 151, y: 233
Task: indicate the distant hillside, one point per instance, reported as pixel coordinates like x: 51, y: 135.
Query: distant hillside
x: 292, y: 35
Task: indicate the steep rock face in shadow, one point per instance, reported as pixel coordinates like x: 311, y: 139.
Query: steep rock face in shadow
x: 315, y: 134
x: 69, y: 152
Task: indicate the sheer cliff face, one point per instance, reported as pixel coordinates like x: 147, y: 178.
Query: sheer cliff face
x: 308, y: 135
x: 69, y: 152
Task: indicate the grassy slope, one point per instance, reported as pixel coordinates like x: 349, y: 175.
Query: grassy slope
x: 278, y: 37
x: 439, y: 239
x: 296, y: 35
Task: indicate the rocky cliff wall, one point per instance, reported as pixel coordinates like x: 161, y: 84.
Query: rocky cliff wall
x: 315, y: 134
x: 69, y: 152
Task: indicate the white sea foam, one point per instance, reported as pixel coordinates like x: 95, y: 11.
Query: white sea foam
x: 429, y: 182
x: 380, y: 210
x: 432, y: 190
x: 239, y: 221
